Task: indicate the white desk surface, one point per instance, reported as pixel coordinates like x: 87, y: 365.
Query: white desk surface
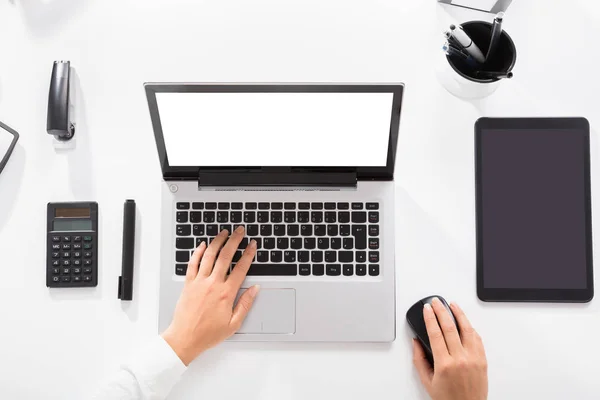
x: 61, y: 344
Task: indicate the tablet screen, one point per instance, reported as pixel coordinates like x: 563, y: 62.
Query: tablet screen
x: 533, y: 208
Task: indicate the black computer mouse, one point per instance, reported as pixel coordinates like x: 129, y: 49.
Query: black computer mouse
x: 414, y: 317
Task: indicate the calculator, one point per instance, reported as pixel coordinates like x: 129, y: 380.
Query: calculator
x: 72, y: 256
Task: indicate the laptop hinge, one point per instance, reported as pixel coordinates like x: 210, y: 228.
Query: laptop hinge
x: 279, y: 177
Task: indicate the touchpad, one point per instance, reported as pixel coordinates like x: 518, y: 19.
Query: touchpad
x: 273, y: 311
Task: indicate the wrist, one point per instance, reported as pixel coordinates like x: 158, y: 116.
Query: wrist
x: 183, y: 351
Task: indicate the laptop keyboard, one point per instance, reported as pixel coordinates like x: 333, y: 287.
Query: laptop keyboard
x: 305, y: 239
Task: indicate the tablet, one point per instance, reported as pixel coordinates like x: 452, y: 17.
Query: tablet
x: 534, y: 229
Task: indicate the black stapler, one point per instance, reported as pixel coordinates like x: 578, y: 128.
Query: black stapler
x: 59, y: 122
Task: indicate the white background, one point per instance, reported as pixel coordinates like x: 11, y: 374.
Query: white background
x: 60, y: 344
x: 276, y: 129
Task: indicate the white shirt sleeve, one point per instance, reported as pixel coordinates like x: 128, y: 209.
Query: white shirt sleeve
x: 149, y: 377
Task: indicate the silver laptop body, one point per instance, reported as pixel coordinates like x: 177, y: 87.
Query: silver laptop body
x: 325, y: 261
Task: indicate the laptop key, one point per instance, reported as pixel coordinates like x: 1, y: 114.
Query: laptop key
x: 276, y: 256
x: 182, y: 217
x: 316, y: 217
x: 223, y: 206
x: 196, y: 216
x: 262, y: 217
x: 283, y: 243
x: 310, y: 243
x: 373, y: 243
x: 263, y: 206
x: 279, y: 230
x: 180, y: 269
x: 318, y: 269
x: 344, y: 217
x: 184, y: 230
x: 296, y: 243
x: 210, y: 206
x: 348, y: 244
x: 330, y: 206
x: 343, y: 206
x: 226, y: 227
x: 316, y: 206
x: 346, y: 256
x: 269, y: 243
x: 276, y: 217
x: 330, y: 256
x: 303, y: 256
x: 361, y: 256
x: 303, y: 217
x: 249, y: 217
x: 273, y: 270
x: 222, y: 216
x: 374, y: 269
x: 182, y: 256
x: 359, y: 217
x: 262, y: 256
x: 303, y: 206
x: 334, y: 269
x: 323, y: 243
x: 209, y: 216
x: 235, y: 216
x: 183, y: 206
x: 304, y: 269
x: 212, y: 230
x: 251, y: 206
x: 373, y: 230
x: 276, y: 206
x: 244, y: 243
x: 289, y: 256
x: 252, y: 230
x: 336, y: 243
x: 258, y: 242
x: 357, y: 206
x: 289, y: 206
x: 289, y: 217
x: 373, y: 257
x: 266, y: 230
x: 330, y: 217
x: 360, y: 236
x: 348, y: 269
x: 198, y: 206
x: 200, y: 240
x: 372, y: 206
x: 293, y: 230
x: 320, y: 230
x: 332, y: 230
x: 237, y: 206
x: 306, y: 230
x: 236, y: 256
x: 184, y: 243
x: 373, y: 217
x: 344, y: 230
x: 316, y: 256
x: 361, y: 269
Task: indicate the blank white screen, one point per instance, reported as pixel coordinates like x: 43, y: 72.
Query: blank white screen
x: 276, y: 129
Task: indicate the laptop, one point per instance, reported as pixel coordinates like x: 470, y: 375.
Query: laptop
x: 308, y: 170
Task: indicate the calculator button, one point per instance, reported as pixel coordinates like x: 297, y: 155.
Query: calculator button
x: 77, y: 238
x: 87, y: 262
x: 87, y: 254
x: 66, y: 263
x: 77, y: 254
x: 56, y: 279
x: 56, y: 239
x: 56, y: 247
x: 87, y: 278
x: 56, y: 263
x: 66, y: 238
x: 76, y: 263
x: 55, y: 254
x: 76, y: 279
x: 76, y: 246
x: 66, y: 271
x: 87, y: 238
x: 55, y: 271
x: 87, y: 246
x: 66, y: 254
x: 77, y: 270
x: 87, y: 270
x: 66, y: 246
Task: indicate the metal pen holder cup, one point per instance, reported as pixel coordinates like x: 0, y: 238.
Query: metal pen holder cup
x: 460, y: 79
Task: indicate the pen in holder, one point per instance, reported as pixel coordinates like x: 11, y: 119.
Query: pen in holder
x: 465, y: 77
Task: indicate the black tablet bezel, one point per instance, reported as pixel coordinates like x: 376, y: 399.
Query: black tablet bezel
x: 173, y: 172
x: 534, y: 295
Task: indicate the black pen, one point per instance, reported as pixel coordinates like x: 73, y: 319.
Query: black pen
x: 126, y: 279
x: 496, y: 33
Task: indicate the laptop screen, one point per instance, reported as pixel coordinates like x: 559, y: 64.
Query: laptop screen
x: 276, y: 129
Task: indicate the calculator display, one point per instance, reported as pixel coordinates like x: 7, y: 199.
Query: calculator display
x: 72, y: 213
x: 72, y: 224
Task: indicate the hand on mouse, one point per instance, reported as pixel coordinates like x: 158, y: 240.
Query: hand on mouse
x: 204, y: 315
x: 460, y: 364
